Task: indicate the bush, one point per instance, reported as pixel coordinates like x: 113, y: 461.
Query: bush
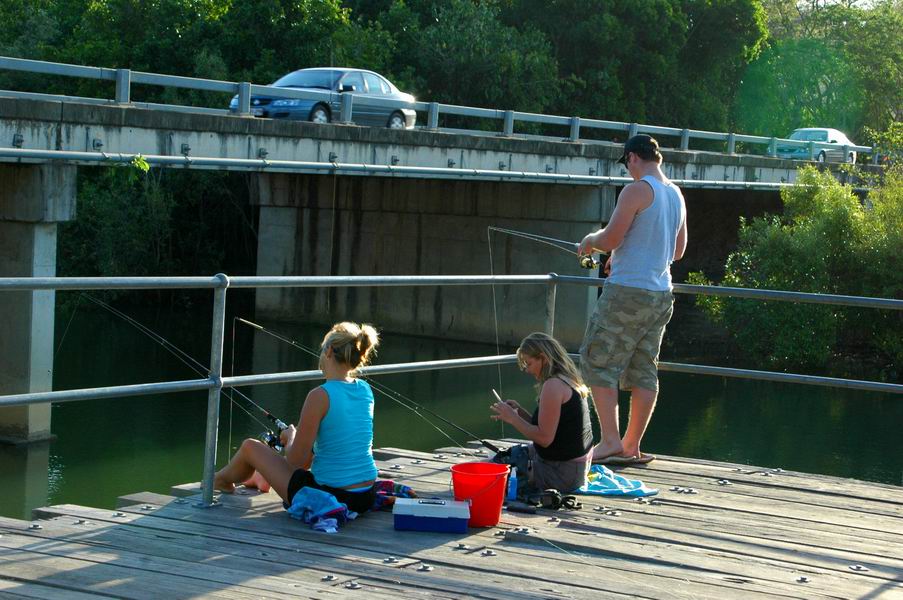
x: 829, y: 242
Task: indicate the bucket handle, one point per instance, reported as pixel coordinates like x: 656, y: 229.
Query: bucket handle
x: 481, y: 492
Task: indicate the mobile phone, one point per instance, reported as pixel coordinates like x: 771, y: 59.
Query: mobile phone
x: 496, y: 394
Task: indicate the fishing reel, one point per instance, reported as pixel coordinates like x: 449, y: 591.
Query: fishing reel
x: 589, y: 262
x: 272, y: 438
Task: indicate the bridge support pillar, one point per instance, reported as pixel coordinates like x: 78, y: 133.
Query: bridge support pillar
x: 33, y: 199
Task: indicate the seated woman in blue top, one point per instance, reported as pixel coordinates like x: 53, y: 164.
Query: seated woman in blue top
x: 332, y: 447
x: 560, y: 427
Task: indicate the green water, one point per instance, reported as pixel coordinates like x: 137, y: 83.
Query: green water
x: 107, y: 448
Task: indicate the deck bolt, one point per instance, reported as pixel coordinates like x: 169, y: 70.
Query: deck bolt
x: 462, y: 546
x: 147, y: 507
x: 675, y: 488
x: 655, y: 502
x: 425, y: 568
x: 37, y: 526
x: 82, y: 522
x: 641, y: 501
x: 417, y: 461
x: 439, y: 456
x: 181, y: 501
x: 396, y: 467
x: 390, y: 560
x: 554, y: 519
x: 329, y: 577
x: 488, y: 553
x: 778, y: 470
x: 859, y: 568
x: 481, y: 452
x: 118, y: 514
x: 803, y: 579
x: 353, y: 585
x: 613, y: 513
x: 500, y: 533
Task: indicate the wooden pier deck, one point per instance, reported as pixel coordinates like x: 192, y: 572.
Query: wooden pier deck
x: 769, y: 534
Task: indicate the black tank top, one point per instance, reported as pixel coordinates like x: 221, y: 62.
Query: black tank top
x: 574, y: 436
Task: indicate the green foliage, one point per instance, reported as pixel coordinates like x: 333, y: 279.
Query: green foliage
x: 826, y: 242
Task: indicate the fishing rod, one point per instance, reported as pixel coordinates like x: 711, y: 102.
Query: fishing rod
x: 586, y: 261
x: 407, y: 403
x: 270, y: 437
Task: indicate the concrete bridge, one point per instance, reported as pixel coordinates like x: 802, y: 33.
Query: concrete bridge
x: 340, y: 200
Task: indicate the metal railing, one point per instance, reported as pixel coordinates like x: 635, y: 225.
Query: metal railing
x: 220, y: 283
x: 124, y: 78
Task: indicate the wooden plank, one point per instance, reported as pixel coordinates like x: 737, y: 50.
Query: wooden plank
x: 640, y: 561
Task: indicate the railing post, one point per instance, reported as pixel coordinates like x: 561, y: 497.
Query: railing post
x: 551, y: 293
x: 347, y: 102
x: 508, y: 127
x: 846, y: 153
x: 685, y: 139
x: 123, y: 86
x: 731, y: 143
x: 244, y: 98
x: 631, y: 131
x: 773, y: 147
x: 575, y: 129
x: 811, y: 150
x: 213, y: 395
x: 874, y: 154
x: 432, y: 117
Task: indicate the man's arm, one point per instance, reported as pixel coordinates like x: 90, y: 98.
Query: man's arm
x: 681, y: 246
x: 633, y: 199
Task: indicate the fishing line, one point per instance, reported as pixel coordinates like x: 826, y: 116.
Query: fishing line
x: 586, y: 261
x: 394, y: 395
x: 495, y: 318
x: 183, y: 357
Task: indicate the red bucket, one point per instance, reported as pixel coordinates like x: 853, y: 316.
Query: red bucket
x: 482, y: 484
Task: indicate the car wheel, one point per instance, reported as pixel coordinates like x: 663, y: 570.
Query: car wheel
x: 396, y: 121
x: 821, y: 157
x: 320, y: 114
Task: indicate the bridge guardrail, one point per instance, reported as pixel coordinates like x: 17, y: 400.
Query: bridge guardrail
x: 220, y: 283
x: 124, y: 78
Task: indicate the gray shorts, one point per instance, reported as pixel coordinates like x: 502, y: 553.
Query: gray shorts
x: 564, y: 476
x: 624, y: 336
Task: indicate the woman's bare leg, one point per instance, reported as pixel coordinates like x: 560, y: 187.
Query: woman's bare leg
x: 254, y: 455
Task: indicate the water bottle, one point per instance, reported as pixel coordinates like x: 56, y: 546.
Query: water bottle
x: 512, y: 484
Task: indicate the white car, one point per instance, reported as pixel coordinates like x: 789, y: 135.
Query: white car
x: 819, y: 134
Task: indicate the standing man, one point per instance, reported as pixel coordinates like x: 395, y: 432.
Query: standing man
x: 646, y: 233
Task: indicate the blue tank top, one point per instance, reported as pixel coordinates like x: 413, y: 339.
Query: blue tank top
x: 643, y: 260
x: 343, y: 450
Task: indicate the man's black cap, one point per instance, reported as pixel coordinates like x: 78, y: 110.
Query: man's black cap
x: 643, y: 145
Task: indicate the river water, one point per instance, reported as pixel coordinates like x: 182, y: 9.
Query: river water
x: 107, y: 448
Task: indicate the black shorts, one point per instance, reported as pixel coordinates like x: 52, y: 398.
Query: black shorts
x: 359, y: 502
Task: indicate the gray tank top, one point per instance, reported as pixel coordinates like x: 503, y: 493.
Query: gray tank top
x: 643, y: 260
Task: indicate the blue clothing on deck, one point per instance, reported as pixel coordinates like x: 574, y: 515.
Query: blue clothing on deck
x: 602, y: 481
x: 343, y: 450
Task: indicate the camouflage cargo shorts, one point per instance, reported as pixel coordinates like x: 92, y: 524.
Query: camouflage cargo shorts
x: 623, y: 337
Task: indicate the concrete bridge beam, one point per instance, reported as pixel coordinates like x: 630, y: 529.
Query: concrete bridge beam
x: 325, y: 225
x: 33, y: 199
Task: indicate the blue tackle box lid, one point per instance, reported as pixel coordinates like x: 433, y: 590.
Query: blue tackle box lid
x: 432, y: 507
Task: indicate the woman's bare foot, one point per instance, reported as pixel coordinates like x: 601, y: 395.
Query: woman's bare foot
x: 223, y: 486
x: 257, y: 481
x: 605, y: 450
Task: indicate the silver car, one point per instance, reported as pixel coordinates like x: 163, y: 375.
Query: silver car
x: 819, y: 134
x: 361, y: 83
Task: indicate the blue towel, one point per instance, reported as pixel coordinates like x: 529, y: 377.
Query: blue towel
x: 319, y: 509
x: 602, y: 481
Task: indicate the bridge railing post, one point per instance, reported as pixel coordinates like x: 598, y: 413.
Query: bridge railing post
x: 551, y: 293
x: 244, y: 98
x: 773, y: 147
x: 685, y: 139
x: 846, y: 153
x: 731, y: 143
x: 874, y: 154
x: 574, y: 135
x: 811, y: 150
x: 432, y: 117
x: 213, y: 396
x: 347, y: 104
x: 123, y: 86
x: 632, y: 130
x: 508, y: 124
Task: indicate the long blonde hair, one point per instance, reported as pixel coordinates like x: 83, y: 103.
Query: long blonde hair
x: 351, y: 344
x: 557, y: 364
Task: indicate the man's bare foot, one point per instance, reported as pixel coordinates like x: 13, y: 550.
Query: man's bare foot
x: 605, y: 450
x: 257, y: 481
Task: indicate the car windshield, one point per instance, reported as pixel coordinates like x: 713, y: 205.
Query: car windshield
x: 810, y: 136
x: 310, y: 79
